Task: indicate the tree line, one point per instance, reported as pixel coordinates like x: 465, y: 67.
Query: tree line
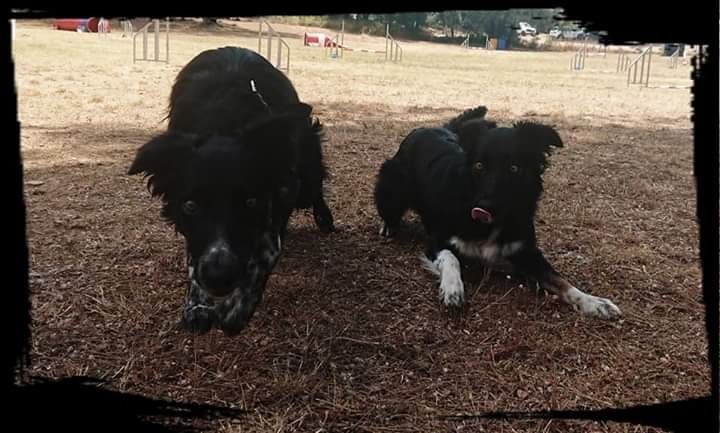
x: 495, y: 24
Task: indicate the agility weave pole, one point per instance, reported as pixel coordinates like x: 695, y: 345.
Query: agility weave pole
x: 577, y: 61
x: 393, y: 51
x: 632, y: 75
x: 269, y: 36
x: 156, y: 36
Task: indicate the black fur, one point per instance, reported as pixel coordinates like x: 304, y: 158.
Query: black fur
x: 231, y: 168
x: 469, y: 169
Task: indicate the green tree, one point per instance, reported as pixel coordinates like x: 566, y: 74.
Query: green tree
x: 452, y: 20
x: 411, y: 22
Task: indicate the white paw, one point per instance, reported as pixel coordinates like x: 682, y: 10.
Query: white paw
x: 452, y: 292
x: 385, y: 230
x: 594, y: 306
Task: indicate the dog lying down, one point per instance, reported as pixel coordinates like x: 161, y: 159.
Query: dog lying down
x: 476, y: 188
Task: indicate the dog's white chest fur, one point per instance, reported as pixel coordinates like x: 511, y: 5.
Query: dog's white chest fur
x: 488, y: 250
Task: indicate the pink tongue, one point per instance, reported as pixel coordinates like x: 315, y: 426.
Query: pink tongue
x: 481, y: 214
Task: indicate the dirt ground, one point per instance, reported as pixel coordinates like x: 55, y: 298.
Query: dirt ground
x: 350, y: 336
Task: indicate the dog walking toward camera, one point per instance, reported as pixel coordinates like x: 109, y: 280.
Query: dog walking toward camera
x: 241, y: 153
x: 476, y: 188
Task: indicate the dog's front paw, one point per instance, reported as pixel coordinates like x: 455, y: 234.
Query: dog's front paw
x: 452, y: 292
x: 324, y: 224
x: 197, y: 319
x: 385, y: 230
x: 594, y: 306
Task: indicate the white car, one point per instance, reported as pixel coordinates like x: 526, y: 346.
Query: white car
x: 526, y: 29
x: 567, y: 33
x: 574, y: 34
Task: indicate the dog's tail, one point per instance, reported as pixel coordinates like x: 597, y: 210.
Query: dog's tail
x: 455, y: 123
x: 392, y: 191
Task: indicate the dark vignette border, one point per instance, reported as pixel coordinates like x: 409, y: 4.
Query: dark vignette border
x: 82, y: 404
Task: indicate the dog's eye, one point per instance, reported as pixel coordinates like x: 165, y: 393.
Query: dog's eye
x: 190, y: 207
x: 251, y: 202
x: 478, y: 166
x: 514, y: 168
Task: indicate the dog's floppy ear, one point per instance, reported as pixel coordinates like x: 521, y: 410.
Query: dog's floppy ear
x: 455, y: 123
x: 540, y: 135
x: 161, y: 160
x: 299, y: 110
x: 540, y: 139
x: 278, y: 125
x: 470, y: 131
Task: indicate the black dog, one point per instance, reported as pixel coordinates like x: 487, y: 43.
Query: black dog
x: 240, y: 154
x: 476, y: 187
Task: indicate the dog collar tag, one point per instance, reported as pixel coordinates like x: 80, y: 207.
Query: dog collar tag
x: 262, y: 100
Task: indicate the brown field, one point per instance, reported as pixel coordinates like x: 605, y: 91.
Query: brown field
x: 350, y: 336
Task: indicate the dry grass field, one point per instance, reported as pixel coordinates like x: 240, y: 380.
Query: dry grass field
x: 350, y: 336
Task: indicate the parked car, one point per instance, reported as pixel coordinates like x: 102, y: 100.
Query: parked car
x: 557, y: 33
x: 669, y: 49
x: 526, y: 29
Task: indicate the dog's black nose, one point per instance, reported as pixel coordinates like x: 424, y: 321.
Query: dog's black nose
x: 219, y: 271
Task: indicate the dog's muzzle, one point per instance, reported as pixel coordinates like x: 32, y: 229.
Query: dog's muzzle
x: 232, y: 311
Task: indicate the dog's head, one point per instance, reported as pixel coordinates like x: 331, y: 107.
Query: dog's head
x: 230, y: 197
x: 506, y: 166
